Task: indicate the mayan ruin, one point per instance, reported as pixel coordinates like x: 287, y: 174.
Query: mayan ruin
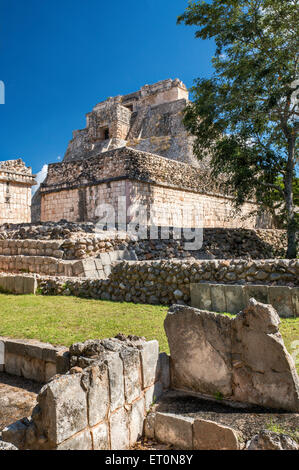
x: 16, y: 181
x: 149, y: 294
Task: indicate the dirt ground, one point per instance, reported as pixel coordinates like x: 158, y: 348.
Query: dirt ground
x: 17, y: 398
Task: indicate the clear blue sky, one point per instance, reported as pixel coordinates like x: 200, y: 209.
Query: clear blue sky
x: 58, y: 58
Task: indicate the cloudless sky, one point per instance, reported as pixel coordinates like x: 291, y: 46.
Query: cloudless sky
x: 58, y: 58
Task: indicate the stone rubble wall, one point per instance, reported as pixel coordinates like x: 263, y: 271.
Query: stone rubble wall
x: 243, y: 359
x: 162, y: 282
x: 166, y: 282
x: 101, y: 403
x: 81, y: 241
x: 33, y: 360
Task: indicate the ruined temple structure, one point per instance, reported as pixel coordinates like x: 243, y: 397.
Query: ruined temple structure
x: 16, y: 181
x: 137, y: 148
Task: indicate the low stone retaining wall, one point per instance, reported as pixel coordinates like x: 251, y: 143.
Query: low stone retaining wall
x: 32, y: 359
x: 101, y: 403
x: 168, y: 282
x: 234, y: 298
x: 18, y: 284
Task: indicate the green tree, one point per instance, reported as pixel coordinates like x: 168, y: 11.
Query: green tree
x: 246, y: 115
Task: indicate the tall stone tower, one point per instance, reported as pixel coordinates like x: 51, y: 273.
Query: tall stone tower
x: 16, y: 181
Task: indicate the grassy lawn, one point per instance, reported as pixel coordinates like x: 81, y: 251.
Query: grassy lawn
x: 66, y: 320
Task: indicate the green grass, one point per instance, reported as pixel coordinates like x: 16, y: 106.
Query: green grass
x: 66, y: 320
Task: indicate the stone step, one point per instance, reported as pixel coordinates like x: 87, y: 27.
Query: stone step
x: 50, y: 248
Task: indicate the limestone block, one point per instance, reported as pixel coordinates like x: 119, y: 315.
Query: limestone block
x: 119, y: 430
x: 295, y: 297
x: 259, y: 293
x: 200, y: 346
x: 81, y: 441
x: 19, y: 284
x: 149, y: 425
x: 100, y: 437
x: 50, y: 371
x: 30, y: 285
x: 63, y: 408
x: 201, y: 296
x: 218, y: 298
x: 98, y: 393
x: 281, y: 299
x: 264, y: 373
x: 136, y: 420
x: 235, y: 298
x: 149, y: 361
x: 174, y: 429
x: 116, y: 381
x: 62, y: 361
x: 209, y: 435
x: 132, y: 374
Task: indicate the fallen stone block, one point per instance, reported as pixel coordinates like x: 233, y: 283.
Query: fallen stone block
x: 208, y: 435
x: 174, y: 429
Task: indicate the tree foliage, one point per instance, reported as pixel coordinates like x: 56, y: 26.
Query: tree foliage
x: 246, y: 115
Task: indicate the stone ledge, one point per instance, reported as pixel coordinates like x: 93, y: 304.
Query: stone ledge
x: 233, y: 298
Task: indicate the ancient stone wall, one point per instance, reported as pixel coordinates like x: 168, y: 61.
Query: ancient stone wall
x: 167, y: 282
x: 16, y: 181
x: 178, y: 194
x: 101, y: 403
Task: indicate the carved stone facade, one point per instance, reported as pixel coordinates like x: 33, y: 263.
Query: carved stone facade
x: 16, y: 181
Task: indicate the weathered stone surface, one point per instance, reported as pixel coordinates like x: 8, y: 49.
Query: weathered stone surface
x: 200, y: 346
x: 132, y: 373
x: 119, y: 430
x: 264, y: 372
x: 149, y: 361
x: 98, y: 393
x: 81, y: 441
x: 243, y: 358
x: 201, y: 296
x: 281, y: 298
x: 268, y: 440
x: 63, y: 407
x: 208, y: 435
x: 136, y: 420
x: 218, y: 298
x: 149, y: 425
x: 116, y: 381
x: 100, y: 437
x: 174, y: 429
